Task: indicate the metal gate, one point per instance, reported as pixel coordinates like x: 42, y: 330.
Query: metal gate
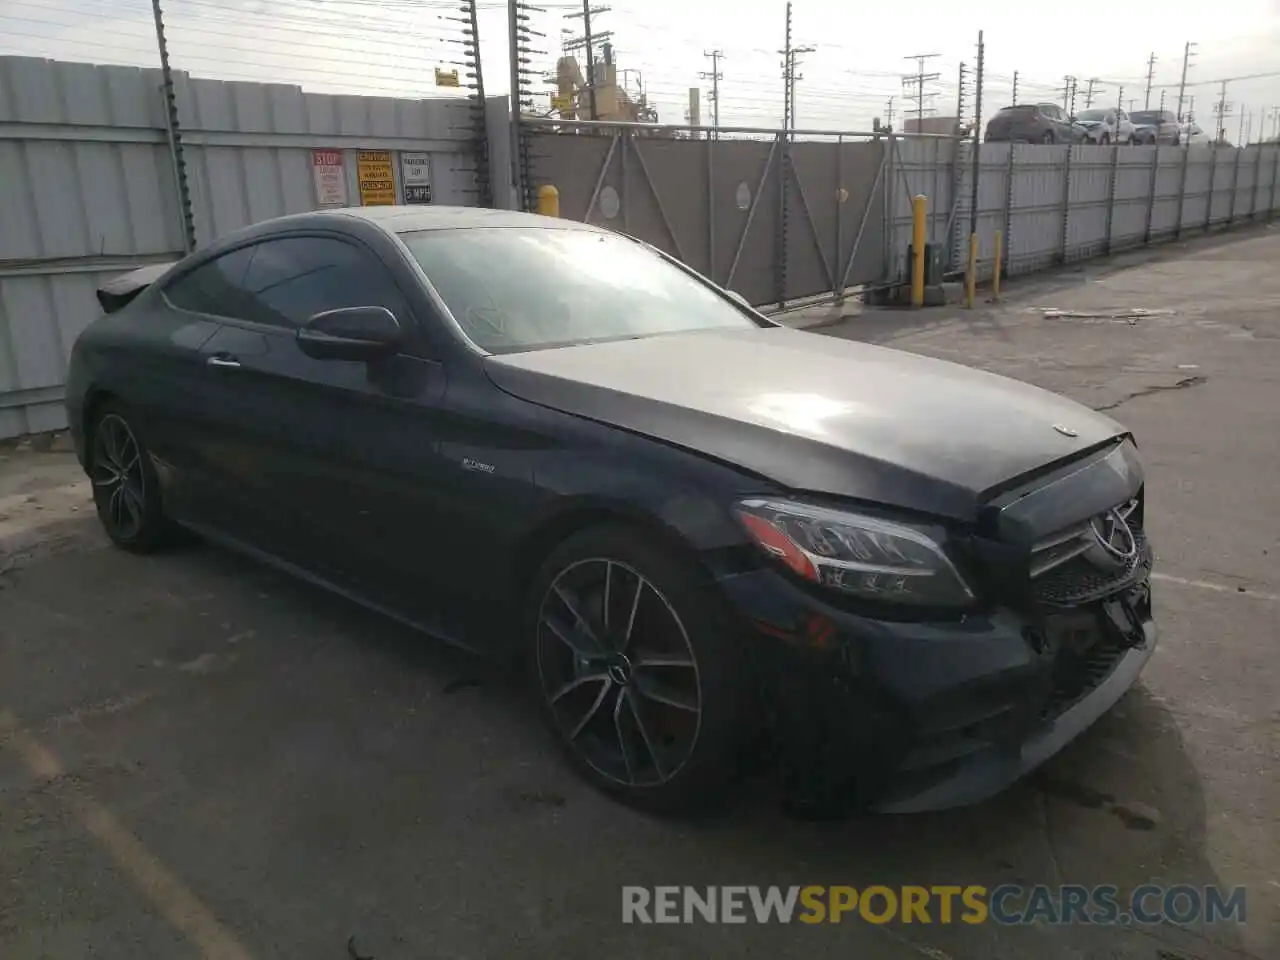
x: 774, y: 218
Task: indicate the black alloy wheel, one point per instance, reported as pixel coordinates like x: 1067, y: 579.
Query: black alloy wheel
x: 125, y: 489
x: 633, y: 671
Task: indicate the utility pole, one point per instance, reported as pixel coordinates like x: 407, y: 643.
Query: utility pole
x: 1182, y: 84
x: 1068, y: 90
x: 1120, y: 100
x: 786, y: 75
x: 1074, y: 85
x: 789, y: 77
x: 795, y: 62
x: 1151, y: 73
x: 1162, y: 93
x: 1088, y: 96
x: 1222, y: 108
x: 889, y: 113
x: 1015, y: 88
x: 715, y: 76
x: 1240, y: 135
x: 918, y: 80
x: 977, y: 138
x: 960, y: 97
x: 587, y: 41
x: 1191, y: 108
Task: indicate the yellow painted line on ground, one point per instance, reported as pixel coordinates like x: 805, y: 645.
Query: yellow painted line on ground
x: 1216, y: 587
x: 170, y: 897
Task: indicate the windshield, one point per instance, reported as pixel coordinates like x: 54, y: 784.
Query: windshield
x: 1092, y: 115
x: 513, y: 289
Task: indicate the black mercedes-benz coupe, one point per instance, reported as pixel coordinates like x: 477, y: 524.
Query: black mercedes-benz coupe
x: 703, y: 534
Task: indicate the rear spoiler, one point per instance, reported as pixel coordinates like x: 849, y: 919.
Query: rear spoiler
x: 118, y: 292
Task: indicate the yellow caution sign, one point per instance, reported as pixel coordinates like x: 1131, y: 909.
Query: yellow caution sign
x: 376, y: 178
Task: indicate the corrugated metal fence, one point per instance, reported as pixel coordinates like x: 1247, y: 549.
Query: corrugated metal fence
x: 87, y: 188
x: 1061, y: 203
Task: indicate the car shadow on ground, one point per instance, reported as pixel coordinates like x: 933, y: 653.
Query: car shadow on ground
x: 1122, y: 806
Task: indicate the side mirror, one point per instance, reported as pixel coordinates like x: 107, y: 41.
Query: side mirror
x: 351, y: 333
x: 735, y: 295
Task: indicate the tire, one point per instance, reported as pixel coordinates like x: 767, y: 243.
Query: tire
x: 652, y: 709
x: 1048, y: 137
x: 1105, y: 141
x: 126, y: 491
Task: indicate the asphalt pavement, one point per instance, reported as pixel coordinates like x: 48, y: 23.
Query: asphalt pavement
x: 201, y: 758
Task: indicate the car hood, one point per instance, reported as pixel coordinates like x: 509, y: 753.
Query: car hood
x: 817, y: 413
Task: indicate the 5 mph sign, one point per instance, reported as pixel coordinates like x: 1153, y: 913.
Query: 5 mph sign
x: 415, y: 175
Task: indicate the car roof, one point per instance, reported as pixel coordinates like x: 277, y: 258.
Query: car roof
x: 388, y: 220
x: 406, y: 219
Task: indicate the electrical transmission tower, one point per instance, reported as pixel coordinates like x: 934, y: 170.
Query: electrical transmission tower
x: 918, y: 80
x: 587, y: 43
x: 1182, y: 84
x: 1151, y: 73
x: 715, y: 76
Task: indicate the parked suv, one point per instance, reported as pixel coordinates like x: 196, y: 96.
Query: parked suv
x: 1155, y: 126
x: 1032, y: 123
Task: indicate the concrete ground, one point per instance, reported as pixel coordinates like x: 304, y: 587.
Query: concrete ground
x: 200, y: 758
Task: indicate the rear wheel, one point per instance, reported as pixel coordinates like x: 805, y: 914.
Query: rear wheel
x: 633, y: 666
x: 126, y: 491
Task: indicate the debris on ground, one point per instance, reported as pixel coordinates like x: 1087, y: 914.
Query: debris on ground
x: 1130, y: 316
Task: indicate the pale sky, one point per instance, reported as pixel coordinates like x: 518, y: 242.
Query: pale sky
x: 390, y: 47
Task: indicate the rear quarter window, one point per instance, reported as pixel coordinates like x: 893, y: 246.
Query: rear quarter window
x: 215, y: 287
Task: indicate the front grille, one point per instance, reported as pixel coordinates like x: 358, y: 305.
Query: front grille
x: 1080, y: 580
x: 1073, y: 566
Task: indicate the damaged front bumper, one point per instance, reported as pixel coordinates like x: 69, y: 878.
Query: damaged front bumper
x: 908, y: 716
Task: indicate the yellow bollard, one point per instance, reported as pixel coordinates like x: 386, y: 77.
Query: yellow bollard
x: 548, y: 201
x: 971, y: 278
x: 919, y: 208
x: 995, y: 277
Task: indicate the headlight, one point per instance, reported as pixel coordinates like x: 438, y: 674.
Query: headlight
x: 863, y: 556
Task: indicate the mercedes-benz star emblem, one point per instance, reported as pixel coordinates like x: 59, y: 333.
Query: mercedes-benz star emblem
x: 1065, y: 431
x: 1115, y: 545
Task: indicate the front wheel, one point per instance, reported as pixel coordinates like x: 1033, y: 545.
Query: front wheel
x: 126, y: 491
x: 635, y: 671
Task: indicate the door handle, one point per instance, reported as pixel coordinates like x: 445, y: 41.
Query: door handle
x: 223, y: 362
